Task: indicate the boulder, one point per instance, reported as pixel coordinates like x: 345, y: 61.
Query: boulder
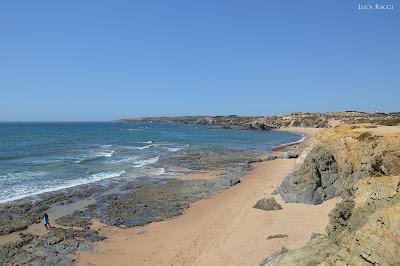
x: 291, y: 154
x: 315, y: 181
x: 267, y: 204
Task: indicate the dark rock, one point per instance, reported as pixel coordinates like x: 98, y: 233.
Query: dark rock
x: 277, y: 236
x: 271, y: 157
x: 339, y: 218
x: 54, y: 248
x: 258, y: 160
x: 270, y: 259
x: 291, y: 154
x: 153, y: 200
x: 316, y: 180
x: 267, y: 204
x: 314, y: 235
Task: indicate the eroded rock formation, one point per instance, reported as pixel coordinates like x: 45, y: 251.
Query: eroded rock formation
x: 364, y: 169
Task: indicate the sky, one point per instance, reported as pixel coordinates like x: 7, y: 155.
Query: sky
x: 102, y: 60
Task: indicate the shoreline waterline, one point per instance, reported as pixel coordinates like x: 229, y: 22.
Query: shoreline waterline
x: 92, y: 201
x: 183, y: 240
x: 141, y: 164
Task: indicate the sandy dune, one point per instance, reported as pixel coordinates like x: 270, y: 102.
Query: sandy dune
x: 221, y: 230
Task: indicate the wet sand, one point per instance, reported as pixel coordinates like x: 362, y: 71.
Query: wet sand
x: 307, y: 132
x: 224, y: 229
x: 205, y: 176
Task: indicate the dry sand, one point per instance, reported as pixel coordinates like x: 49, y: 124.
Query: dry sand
x: 222, y: 230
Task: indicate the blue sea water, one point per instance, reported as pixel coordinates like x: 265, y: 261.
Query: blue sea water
x: 42, y: 157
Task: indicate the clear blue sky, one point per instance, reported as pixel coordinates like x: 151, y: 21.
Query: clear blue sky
x: 101, y: 60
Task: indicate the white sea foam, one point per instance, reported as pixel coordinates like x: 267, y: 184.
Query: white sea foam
x: 155, y: 171
x: 105, y: 153
x: 24, y: 192
x: 303, y: 137
x: 140, y: 148
x: 145, y: 162
x: 160, y: 171
x: 22, y: 176
x: 95, y: 155
x: 106, y: 146
x: 174, y: 149
x: 146, y: 142
x: 125, y: 160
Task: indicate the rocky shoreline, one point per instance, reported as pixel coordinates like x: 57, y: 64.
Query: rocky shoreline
x: 298, y: 119
x: 360, y: 163
x: 123, y: 204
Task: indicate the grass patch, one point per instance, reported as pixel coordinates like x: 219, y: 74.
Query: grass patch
x: 365, y: 136
x: 370, y: 126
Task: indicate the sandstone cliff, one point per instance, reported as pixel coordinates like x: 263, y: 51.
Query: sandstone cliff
x: 362, y: 165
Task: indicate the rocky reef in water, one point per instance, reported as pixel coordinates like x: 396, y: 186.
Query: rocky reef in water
x: 299, y: 119
x: 362, y: 165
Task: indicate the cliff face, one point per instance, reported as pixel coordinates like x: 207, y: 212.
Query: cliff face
x: 339, y: 158
x: 316, y: 120
x: 363, y: 230
x: 363, y: 168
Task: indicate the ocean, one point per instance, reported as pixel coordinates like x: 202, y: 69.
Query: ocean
x: 43, y: 157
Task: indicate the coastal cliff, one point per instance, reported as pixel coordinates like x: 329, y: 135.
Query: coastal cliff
x: 299, y: 119
x: 359, y: 163
x: 362, y: 165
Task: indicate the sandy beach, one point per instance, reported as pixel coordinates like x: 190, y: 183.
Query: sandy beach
x: 208, y: 216
x: 222, y: 230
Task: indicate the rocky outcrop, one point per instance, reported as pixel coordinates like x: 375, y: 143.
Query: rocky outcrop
x: 313, y: 253
x: 338, y: 160
x: 316, y: 180
x: 291, y: 154
x: 364, y: 227
x: 122, y: 203
x: 370, y: 232
x: 54, y: 248
x: 148, y: 200
x: 363, y: 230
x: 267, y: 204
x: 18, y: 215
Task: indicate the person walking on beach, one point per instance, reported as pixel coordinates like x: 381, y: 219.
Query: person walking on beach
x: 46, y: 221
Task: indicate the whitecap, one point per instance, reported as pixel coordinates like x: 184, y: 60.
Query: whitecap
x: 106, y: 146
x: 145, y: 162
x: 27, y: 191
x: 139, y: 148
x: 157, y: 171
x: 95, y: 156
x: 124, y: 160
x: 22, y: 176
x: 173, y: 149
x: 105, y: 153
